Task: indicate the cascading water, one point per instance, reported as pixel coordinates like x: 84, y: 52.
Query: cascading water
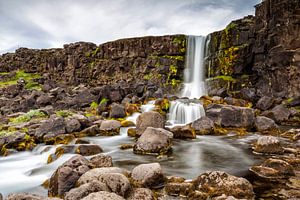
x: 184, y: 111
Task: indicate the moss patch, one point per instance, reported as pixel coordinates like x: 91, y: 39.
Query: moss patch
x: 28, y: 116
x: 64, y: 113
x: 28, y: 77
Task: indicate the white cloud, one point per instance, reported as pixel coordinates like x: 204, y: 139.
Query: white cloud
x: 44, y: 24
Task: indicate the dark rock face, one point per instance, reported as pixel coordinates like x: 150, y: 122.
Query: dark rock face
x: 203, y: 126
x: 52, y: 127
x: 129, y: 61
x: 260, y: 53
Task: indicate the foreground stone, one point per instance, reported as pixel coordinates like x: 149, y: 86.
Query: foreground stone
x: 183, y: 132
x: 84, y: 190
x: 141, y: 193
x: 265, y: 125
x: 279, y: 114
x: 101, y: 160
x: 273, y: 169
x: 65, y: 177
x: 110, y: 127
x: 149, y: 119
x: 154, y: 141
x: 95, y: 174
x: 27, y: 196
x: 217, y: 183
x: 53, y: 127
x: 148, y: 175
x: 268, y: 145
x: 103, y: 196
x: 203, y: 126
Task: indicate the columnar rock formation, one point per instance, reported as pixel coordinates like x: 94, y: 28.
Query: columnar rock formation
x: 136, y: 60
x: 261, y: 52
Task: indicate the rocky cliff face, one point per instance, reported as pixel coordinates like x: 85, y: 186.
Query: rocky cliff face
x: 261, y: 53
x: 154, y: 61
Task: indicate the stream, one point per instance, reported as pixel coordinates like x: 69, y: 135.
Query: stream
x: 26, y: 171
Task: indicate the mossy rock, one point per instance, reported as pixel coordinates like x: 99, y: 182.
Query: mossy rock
x: 127, y: 123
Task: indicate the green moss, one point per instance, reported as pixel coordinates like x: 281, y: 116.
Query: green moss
x: 225, y: 78
x: 4, y: 73
x: 181, y: 58
x: 28, y: 77
x: 180, y: 41
x: 93, y: 53
x: 64, y: 113
x: 28, y: 116
x: 5, y: 133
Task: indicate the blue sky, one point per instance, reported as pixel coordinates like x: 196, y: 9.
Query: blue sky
x: 52, y: 23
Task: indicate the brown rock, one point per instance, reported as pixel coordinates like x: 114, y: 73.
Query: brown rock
x: 268, y: 145
x: 183, y: 132
x: 148, y: 175
x: 101, y: 160
x: 149, y: 119
x: 203, y: 126
x: 110, y: 127
x: 88, y: 149
x: 65, y: 177
x: 103, y: 195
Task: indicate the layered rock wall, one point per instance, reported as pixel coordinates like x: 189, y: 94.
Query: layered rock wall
x: 261, y: 52
x: 147, y: 60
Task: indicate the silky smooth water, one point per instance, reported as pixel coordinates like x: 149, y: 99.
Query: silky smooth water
x: 26, y: 171
x: 183, y: 111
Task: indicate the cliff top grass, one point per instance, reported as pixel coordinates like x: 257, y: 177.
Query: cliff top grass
x: 20, y: 74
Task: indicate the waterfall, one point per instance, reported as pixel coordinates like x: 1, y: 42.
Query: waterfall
x: 194, y: 85
x: 184, y: 111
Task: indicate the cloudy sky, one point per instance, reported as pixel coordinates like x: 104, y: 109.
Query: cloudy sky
x: 52, y: 23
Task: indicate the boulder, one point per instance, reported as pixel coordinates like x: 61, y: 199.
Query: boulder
x: 217, y: 183
x: 141, y: 194
x: 101, y: 160
x: 27, y: 196
x: 149, y: 119
x: 148, y: 175
x: 278, y: 114
x: 268, y: 145
x: 110, y: 128
x: 115, y: 182
x: 103, y: 195
x: 94, y: 174
x: 117, y: 111
x: 84, y: 190
x: 154, y: 141
x: 203, y: 126
x: 179, y: 188
x: 53, y: 127
x: 265, y: 103
x: 72, y: 125
x: 88, y: 149
x: 272, y: 169
x: 91, y: 131
x: 65, y: 177
x: 233, y: 116
x: 264, y: 124
x: 183, y: 132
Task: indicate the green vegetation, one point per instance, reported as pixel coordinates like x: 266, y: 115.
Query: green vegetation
x: 4, y: 73
x: 180, y: 41
x: 94, y: 105
x: 64, y: 113
x: 29, y: 79
x: 181, y: 58
x: 5, y: 133
x: 104, y: 100
x: 28, y: 116
x: 93, y: 53
x: 225, y: 78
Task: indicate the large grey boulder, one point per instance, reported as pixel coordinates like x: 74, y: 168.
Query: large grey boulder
x: 268, y: 145
x: 84, y: 190
x: 154, y: 141
x: 65, y: 177
x: 110, y: 127
x: 265, y: 124
x: 203, y: 126
x: 117, y: 111
x: 95, y: 174
x: 148, y: 175
x: 238, y: 117
x: 149, y: 119
x: 53, y: 127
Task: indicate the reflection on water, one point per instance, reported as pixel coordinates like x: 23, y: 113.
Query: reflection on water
x: 26, y: 171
